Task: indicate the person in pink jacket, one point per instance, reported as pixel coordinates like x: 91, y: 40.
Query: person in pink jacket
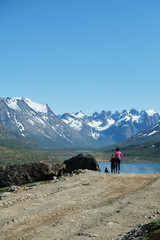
x: 118, y: 156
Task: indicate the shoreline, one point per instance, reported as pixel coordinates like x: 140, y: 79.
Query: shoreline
x: 130, y: 162
x: 136, y: 161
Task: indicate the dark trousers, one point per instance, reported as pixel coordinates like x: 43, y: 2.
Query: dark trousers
x: 112, y: 167
x: 118, y: 161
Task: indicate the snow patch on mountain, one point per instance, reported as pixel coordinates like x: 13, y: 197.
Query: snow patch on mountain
x: 157, y: 125
x: 42, y: 108
x: 137, y: 119
x: 12, y: 103
x: 125, y: 118
x: 8, y: 114
x: 145, y: 135
x: 151, y: 112
x: 98, y: 125
x: 76, y: 124
x: 95, y: 135
x: 95, y: 124
x: 78, y: 114
x: 19, y: 125
x: 40, y: 120
x: 152, y: 133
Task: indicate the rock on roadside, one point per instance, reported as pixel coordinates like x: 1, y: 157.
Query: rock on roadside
x: 81, y: 161
x: 20, y: 174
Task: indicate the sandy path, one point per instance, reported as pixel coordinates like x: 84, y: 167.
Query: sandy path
x: 87, y: 206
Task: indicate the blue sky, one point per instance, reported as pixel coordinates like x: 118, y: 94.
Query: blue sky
x: 88, y: 55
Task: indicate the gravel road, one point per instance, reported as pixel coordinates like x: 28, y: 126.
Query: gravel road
x: 85, y: 206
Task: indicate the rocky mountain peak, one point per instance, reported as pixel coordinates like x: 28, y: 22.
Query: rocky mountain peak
x: 78, y: 114
x: 133, y: 111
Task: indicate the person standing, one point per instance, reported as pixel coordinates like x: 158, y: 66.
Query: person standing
x: 118, y: 156
x: 113, y: 165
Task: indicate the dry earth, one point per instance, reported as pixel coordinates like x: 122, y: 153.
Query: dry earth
x: 91, y: 205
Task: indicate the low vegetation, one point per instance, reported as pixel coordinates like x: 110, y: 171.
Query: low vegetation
x: 5, y: 189
x: 153, y: 231
x: 12, y: 156
x: 132, y: 154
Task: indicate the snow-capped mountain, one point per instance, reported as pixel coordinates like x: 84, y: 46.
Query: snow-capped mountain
x: 39, y: 123
x: 108, y: 128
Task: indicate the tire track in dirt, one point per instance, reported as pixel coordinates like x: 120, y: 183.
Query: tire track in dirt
x: 90, y: 200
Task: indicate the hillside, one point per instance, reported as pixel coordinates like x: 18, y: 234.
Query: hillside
x: 144, y: 146
x: 13, y: 140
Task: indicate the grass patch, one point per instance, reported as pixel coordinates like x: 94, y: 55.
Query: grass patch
x: 144, y: 237
x: 40, y: 182
x: 5, y: 189
x: 156, y: 223
x: 11, y: 156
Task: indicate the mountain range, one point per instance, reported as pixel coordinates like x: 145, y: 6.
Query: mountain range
x: 108, y: 128
x: 40, y: 124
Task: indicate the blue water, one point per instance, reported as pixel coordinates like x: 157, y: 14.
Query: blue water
x: 134, y: 167
x: 82, y: 151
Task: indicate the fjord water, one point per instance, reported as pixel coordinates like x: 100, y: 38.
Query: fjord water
x: 134, y: 167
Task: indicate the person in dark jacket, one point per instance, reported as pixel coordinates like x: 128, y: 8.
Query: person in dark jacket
x: 113, y: 165
x: 106, y: 170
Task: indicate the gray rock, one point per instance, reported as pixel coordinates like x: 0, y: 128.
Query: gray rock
x: 13, y: 188
x: 81, y: 161
x: 28, y: 173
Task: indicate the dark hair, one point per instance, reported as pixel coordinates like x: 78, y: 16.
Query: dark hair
x: 117, y: 149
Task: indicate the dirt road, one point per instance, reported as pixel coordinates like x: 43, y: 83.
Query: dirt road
x: 92, y: 205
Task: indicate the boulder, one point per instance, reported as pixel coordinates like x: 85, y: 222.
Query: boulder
x: 20, y: 174
x: 81, y: 161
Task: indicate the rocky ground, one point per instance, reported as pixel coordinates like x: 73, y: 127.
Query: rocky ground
x: 84, y: 206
